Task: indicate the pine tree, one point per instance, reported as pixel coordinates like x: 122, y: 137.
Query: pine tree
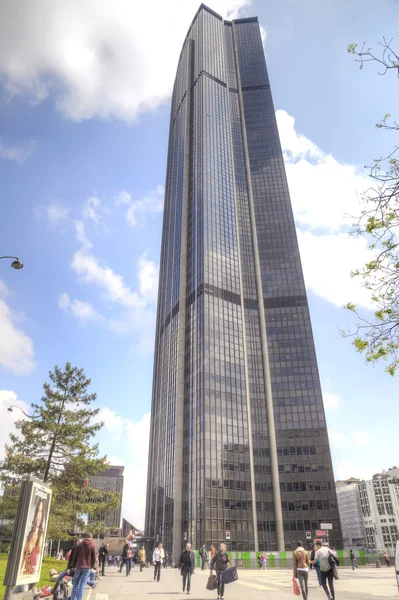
x: 55, y: 446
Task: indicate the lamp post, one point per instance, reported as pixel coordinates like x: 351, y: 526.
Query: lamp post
x: 16, y: 263
x: 11, y: 409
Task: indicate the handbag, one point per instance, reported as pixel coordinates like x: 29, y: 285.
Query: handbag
x: 212, y: 582
x: 229, y: 575
x: 295, y: 585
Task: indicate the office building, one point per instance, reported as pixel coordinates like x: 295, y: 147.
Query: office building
x: 239, y: 450
x: 110, y: 480
x: 350, y: 510
x: 378, y: 499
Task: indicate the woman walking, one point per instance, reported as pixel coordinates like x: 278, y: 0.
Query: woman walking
x: 220, y: 562
x: 128, y: 558
x: 301, y: 568
x: 157, y: 558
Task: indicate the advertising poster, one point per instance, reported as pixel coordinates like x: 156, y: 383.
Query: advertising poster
x: 32, y: 549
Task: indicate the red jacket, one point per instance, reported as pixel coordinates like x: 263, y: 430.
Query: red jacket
x: 86, y: 555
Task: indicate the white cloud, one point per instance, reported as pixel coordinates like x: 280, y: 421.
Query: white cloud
x: 113, y: 423
x: 148, y: 273
x: 81, y: 235
x: 138, y: 307
x: 151, y: 204
x: 327, y: 264
x: 55, y: 212
x: 64, y: 301
x: 17, y: 152
x: 134, y: 437
x: 331, y: 400
x: 7, y: 399
x: 91, y: 208
x: 97, y: 57
x: 83, y: 311
x: 89, y: 270
x: 123, y: 198
x: 324, y: 192
x: 16, y: 348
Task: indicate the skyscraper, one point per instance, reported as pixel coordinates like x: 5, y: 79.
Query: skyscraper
x: 239, y: 448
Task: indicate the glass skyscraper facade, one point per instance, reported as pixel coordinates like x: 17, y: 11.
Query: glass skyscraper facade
x: 238, y: 439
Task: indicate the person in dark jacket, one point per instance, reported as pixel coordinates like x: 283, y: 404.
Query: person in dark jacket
x: 84, y: 560
x: 187, y: 566
x: 124, y: 556
x: 220, y: 562
x: 102, y: 557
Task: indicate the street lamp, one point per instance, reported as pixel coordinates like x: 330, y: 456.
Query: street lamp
x: 16, y: 263
x: 11, y: 409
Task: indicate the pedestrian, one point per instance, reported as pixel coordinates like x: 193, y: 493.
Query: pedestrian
x: 263, y: 561
x: 353, y: 560
x: 327, y: 571
x: 142, y: 558
x: 187, y: 566
x: 124, y: 556
x: 301, y: 565
x: 84, y: 560
x: 315, y: 564
x: 128, y: 559
x: 212, y: 550
x: 102, y: 557
x: 387, y: 559
x: 157, y: 558
x: 204, y: 558
x: 220, y: 562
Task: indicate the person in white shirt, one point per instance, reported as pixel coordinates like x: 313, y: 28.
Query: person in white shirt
x: 326, y: 570
x: 157, y: 558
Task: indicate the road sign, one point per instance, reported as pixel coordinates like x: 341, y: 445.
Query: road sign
x: 326, y: 526
x: 227, y: 535
x: 320, y: 533
x: 308, y: 535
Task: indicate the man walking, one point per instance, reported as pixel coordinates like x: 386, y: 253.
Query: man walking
x: 301, y: 568
x: 353, y: 561
x: 84, y: 561
x: 328, y: 569
x: 102, y: 557
x: 142, y: 558
x: 187, y: 566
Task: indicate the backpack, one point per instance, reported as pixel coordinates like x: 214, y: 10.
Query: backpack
x: 61, y: 593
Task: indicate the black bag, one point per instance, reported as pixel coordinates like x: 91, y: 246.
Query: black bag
x: 333, y: 559
x: 61, y: 593
x: 229, y: 575
x: 212, y: 582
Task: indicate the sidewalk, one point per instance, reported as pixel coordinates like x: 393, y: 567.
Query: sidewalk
x: 362, y: 584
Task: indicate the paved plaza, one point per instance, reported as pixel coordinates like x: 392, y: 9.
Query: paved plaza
x: 362, y: 584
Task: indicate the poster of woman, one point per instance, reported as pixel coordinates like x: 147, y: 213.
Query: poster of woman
x: 35, y: 534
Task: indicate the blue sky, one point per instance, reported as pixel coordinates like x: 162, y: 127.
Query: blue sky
x: 84, y: 117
